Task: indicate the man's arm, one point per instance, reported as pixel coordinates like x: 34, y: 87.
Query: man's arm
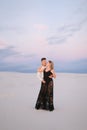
x: 40, y: 74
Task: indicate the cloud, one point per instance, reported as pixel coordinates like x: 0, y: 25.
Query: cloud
x: 56, y: 40
x: 77, y: 20
x: 8, y: 51
x: 64, y: 32
x: 11, y: 60
x: 76, y: 66
x: 2, y: 44
x: 69, y: 28
x: 11, y: 28
x: 82, y: 9
x: 41, y: 27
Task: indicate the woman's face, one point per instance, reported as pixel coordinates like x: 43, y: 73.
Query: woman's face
x: 48, y: 64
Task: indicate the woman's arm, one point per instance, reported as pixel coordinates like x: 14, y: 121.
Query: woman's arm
x: 53, y: 73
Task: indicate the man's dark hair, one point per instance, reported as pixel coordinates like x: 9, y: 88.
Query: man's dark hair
x: 43, y: 58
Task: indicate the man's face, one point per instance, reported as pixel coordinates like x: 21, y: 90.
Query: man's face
x: 44, y: 62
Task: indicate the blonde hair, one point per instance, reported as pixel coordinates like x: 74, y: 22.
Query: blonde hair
x: 51, y: 64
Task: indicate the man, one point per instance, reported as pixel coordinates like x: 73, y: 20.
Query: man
x: 40, y: 69
x: 40, y: 76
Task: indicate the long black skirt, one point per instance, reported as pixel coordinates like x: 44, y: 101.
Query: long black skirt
x: 45, y: 97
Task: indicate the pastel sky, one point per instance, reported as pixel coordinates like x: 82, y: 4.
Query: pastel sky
x: 32, y: 29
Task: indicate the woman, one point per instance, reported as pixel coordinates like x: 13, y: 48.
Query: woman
x: 45, y: 97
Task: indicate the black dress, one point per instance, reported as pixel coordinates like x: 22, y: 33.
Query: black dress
x: 45, y: 97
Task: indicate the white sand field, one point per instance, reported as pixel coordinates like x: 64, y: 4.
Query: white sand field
x: 18, y: 94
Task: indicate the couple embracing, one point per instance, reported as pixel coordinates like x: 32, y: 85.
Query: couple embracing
x: 46, y: 74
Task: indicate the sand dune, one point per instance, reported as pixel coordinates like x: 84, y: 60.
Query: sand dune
x: 18, y: 94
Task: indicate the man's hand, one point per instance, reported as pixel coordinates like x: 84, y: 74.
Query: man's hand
x: 43, y: 81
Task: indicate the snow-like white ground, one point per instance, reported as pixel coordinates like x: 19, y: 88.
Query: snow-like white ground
x: 18, y: 94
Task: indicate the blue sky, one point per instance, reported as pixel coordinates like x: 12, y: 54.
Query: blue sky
x: 55, y: 29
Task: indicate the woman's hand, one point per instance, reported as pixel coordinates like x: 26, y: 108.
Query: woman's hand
x: 39, y: 69
x: 53, y: 74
